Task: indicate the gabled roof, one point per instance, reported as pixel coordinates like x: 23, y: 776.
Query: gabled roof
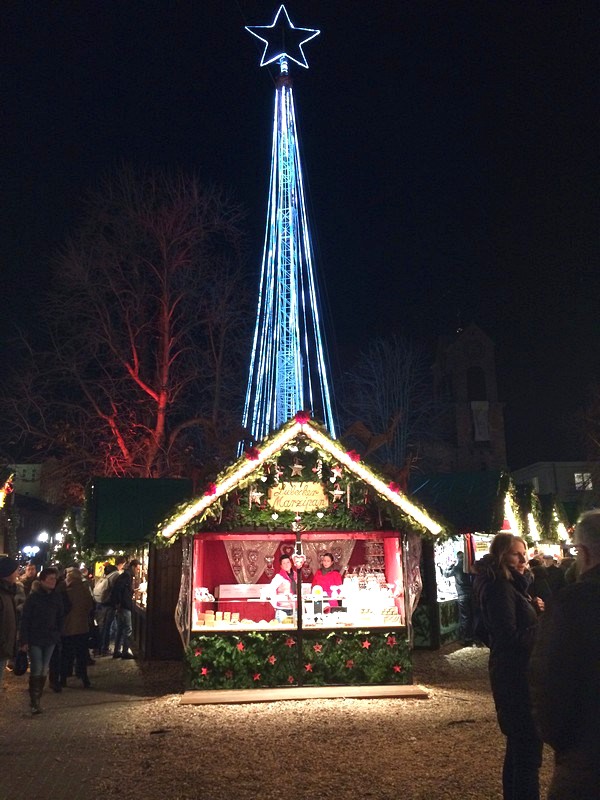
x: 252, y: 461
x: 470, y: 501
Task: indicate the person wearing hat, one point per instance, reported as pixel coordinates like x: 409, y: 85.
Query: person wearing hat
x: 8, y: 612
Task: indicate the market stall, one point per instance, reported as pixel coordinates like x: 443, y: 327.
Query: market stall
x: 298, y: 495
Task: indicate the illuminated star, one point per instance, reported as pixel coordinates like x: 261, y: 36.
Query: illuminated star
x: 308, y: 667
x: 255, y: 496
x: 366, y: 644
x: 240, y: 646
x: 391, y: 641
x: 297, y: 469
x: 291, y: 679
x: 337, y: 471
x: 271, y: 659
x: 204, y: 671
x: 256, y: 676
x: 337, y: 493
x: 397, y: 668
x: 349, y: 664
x: 317, y: 648
x: 282, y: 37
x: 289, y: 642
x: 197, y: 652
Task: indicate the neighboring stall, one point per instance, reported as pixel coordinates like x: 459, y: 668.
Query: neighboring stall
x: 298, y: 493
x: 477, y: 505
x: 121, y: 518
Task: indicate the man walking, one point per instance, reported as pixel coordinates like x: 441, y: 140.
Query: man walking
x: 565, y: 673
x: 8, y: 613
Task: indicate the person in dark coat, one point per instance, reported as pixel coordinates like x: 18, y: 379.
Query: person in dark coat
x: 510, y: 617
x: 463, y: 581
x: 8, y: 612
x: 539, y: 585
x: 565, y: 673
x: 122, y: 597
x: 41, y: 628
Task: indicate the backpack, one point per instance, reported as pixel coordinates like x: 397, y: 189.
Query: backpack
x: 102, y: 590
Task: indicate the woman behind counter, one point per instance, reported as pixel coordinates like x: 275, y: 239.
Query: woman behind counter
x: 284, y: 586
x: 509, y: 614
x: 327, y: 576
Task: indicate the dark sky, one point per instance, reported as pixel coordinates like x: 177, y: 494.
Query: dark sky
x: 449, y: 152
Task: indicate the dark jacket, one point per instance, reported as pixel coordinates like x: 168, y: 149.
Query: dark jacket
x: 43, y: 617
x: 511, y: 621
x: 122, y: 592
x: 462, y: 579
x: 8, y: 619
x: 565, y: 685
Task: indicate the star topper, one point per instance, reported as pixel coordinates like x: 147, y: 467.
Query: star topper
x: 282, y: 36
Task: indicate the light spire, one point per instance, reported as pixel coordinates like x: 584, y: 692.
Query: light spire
x: 288, y: 366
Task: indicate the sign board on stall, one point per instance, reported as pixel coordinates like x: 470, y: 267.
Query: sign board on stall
x: 298, y: 496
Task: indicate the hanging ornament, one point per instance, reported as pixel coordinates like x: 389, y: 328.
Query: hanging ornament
x: 255, y: 497
x: 336, y: 493
x: 318, y: 469
x: 336, y: 472
x: 296, y: 467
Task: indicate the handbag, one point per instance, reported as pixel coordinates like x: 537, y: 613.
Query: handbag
x: 21, y: 663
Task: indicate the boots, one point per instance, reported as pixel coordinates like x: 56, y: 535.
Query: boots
x: 36, y: 687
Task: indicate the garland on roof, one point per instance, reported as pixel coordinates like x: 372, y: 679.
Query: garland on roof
x: 349, y: 502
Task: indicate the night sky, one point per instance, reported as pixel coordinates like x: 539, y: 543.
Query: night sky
x: 449, y: 153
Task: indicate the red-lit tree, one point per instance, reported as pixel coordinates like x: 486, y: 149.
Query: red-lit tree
x: 145, y: 325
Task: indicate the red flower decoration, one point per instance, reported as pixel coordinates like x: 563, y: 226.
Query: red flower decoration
x: 198, y: 652
x: 397, y: 668
x: 308, y: 667
x: 302, y: 417
x: 240, y: 646
x: 211, y: 489
x: 204, y: 671
x: 252, y: 453
x: 291, y: 679
x: 289, y: 642
x: 317, y: 648
x: 394, y: 487
x: 271, y: 659
x: 353, y: 455
x: 366, y: 644
x: 349, y: 664
x: 391, y: 641
x: 256, y: 676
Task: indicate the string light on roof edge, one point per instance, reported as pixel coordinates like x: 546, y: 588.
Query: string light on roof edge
x: 288, y: 364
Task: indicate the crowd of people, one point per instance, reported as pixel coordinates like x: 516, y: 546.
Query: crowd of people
x: 541, y: 622
x: 62, y: 618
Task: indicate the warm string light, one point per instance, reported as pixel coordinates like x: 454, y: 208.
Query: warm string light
x: 246, y: 468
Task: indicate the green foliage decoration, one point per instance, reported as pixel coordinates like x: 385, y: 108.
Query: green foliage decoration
x: 257, y: 659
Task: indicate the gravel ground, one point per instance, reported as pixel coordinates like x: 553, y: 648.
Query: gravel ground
x: 447, y: 746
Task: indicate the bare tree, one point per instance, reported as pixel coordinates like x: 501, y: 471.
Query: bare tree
x: 146, y: 327
x: 388, y: 403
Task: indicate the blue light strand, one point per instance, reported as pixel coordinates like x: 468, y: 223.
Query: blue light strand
x: 288, y: 362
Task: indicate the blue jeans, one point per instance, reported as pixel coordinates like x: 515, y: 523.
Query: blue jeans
x: 124, y: 631
x: 39, y: 658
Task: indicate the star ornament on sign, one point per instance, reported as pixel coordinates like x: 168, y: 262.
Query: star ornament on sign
x: 281, y: 39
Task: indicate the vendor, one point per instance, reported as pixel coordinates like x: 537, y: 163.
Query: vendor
x: 282, y: 588
x: 327, y: 576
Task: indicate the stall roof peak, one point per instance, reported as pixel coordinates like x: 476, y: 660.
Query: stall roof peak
x: 252, y: 460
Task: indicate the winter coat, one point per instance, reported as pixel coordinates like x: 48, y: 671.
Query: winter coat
x: 43, y: 617
x: 463, y: 580
x: 77, y: 621
x: 122, y: 593
x: 510, y: 619
x: 283, y: 587
x: 8, y: 619
x: 565, y: 686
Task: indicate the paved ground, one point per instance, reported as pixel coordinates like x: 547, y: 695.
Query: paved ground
x: 58, y: 754
x: 130, y: 737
